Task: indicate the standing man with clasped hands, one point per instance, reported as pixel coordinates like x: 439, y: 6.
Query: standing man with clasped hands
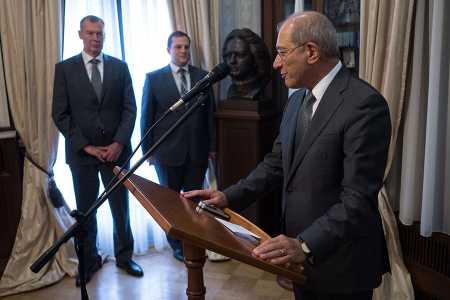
x: 329, y: 159
x: 95, y: 109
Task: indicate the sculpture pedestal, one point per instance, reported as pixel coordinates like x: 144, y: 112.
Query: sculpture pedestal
x: 245, y: 133
x: 236, y: 104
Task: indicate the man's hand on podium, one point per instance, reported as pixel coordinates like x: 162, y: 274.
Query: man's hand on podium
x: 211, y: 197
x: 281, y: 250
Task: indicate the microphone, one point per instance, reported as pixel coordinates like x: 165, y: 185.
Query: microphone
x: 218, y: 73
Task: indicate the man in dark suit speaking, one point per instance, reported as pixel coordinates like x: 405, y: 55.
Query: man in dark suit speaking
x: 95, y: 109
x: 182, y: 159
x: 329, y: 159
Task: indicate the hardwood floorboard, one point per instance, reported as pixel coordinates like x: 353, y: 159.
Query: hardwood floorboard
x: 165, y: 279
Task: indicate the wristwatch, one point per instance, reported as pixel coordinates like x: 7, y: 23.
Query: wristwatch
x: 305, y: 248
x: 307, y: 251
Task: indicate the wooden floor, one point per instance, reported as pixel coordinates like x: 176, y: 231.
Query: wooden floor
x: 165, y: 278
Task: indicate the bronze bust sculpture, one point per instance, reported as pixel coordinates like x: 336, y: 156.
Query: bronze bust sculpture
x: 249, y: 61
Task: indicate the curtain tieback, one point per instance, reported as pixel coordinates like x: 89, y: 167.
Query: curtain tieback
x: 54, y: 193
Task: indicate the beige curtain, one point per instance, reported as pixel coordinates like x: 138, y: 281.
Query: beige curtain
x: 425, y: 167
x: 200, y: 20
x: 4, y: 115
x: 30, y: 32
x: 385, y: 46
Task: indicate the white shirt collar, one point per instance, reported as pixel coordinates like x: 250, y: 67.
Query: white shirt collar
x: 175, y: 68
x: 320, y: 88
x: 87, y: 58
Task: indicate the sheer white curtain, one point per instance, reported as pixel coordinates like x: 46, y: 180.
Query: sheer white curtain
x: 425, y: 193
x: 146, y: 27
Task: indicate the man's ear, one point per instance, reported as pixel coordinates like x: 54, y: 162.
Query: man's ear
x: 313, y: 52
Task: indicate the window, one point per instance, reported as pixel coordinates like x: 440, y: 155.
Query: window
x: 137, y: 32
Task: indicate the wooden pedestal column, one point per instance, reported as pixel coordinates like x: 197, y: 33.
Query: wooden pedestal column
x: 194, y: 259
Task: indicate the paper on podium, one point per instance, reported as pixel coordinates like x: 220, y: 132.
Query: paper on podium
x: 240, y: 231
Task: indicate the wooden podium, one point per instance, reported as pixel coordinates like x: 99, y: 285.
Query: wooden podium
x: 177, y: 217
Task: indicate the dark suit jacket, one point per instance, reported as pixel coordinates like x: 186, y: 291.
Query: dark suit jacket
x: 194, y: 138
x: 330, y: 184
x: 82, y: 119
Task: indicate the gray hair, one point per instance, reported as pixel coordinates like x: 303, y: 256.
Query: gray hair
x: 92, y: 19
x: 314, y: 27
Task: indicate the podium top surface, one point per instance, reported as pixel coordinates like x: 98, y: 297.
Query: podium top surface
x: 178, y: 217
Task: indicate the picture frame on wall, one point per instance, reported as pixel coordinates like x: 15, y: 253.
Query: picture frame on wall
x: 348, y: 57
x: 342, y: 12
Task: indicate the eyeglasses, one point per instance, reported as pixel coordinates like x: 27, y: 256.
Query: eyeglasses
x: 284, y: 53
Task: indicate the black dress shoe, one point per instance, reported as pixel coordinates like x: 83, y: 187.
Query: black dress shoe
x: 131, y: 268
x: 90, y: 272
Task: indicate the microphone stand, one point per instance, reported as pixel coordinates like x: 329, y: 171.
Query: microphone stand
x: 77, y: 229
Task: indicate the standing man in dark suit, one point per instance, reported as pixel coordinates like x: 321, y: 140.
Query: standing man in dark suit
x: 182, y: 159
x: 329, y: 159
x: 95, y: 109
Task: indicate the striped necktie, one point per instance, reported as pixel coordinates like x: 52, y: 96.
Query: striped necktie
x: 183, y: 81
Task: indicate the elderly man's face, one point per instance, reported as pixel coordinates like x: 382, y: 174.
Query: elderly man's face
x: 239, y: 58
x: 291, y: 60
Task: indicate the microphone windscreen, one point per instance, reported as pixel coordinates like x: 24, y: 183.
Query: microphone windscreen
x: 219, y: 72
